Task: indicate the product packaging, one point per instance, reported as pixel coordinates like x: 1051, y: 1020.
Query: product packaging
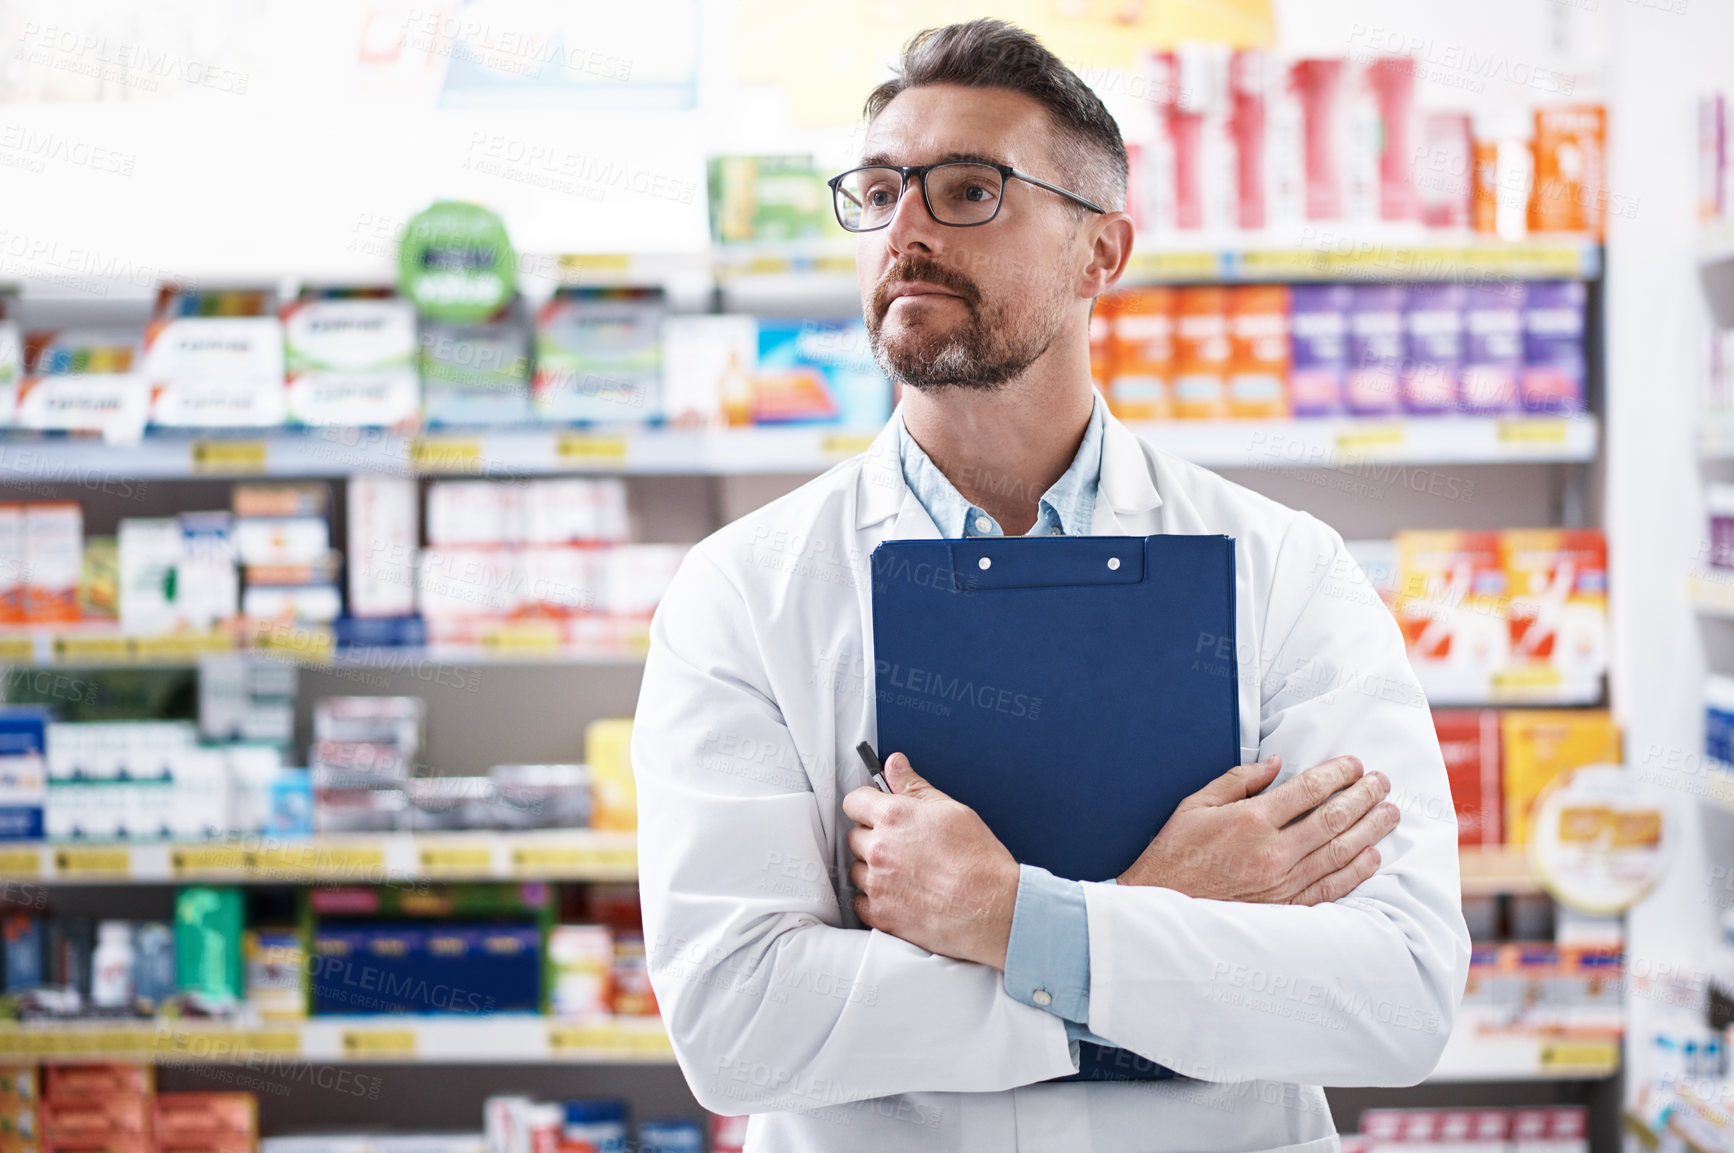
x: 53, y: 560
x: 1319, y: 324
x: 759, y: 199
x: 1258, y: 366
x: 1539, y: 746
x: 1370, y: 387
x: 1445, y: 170
x: 1433, y: 335
x: 88, y: 380
x: 1570, y: 192
x: 599, y: 355
x: 383, y: 535
x: 214, y: 359
x: 614, y: 805
x: 818, y: 371
x: 1553, y: 347
x: 1492, y: 347
x: 1469, y: 741
x: 351, y: 360
x: 1201, y: 352
x: 1140, y: 349
x: 476, y: 374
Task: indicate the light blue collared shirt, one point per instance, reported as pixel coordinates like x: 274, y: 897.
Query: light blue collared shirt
x: 1047, y: 960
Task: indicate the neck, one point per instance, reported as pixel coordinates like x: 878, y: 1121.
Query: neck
x: 1003, y: 447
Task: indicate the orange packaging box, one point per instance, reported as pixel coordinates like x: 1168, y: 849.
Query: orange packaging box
x: 69, y: 1082
x: 1484, y: 186
x: 53, y: 560
x: 1141, y: 351
x: 11, y: 563
x: 1570, y: 193
x: 1102, y: 340
x: 1201, y: 352
x: 1451, y: 597
x: 209, y: 1117
x: 18, y: 1083
x: 1469, y: 741
x: 1558, y: 582
x: 1258, y: 363
x: 1538, y: 746
x: 121, y: 1114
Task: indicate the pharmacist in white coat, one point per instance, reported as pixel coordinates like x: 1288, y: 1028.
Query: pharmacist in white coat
x: 869, y: 972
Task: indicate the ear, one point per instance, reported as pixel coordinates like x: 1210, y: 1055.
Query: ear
x: 1110, y: 239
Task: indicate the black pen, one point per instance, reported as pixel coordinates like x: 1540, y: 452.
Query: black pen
x: 871, y: 760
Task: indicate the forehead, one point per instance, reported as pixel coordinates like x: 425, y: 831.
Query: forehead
x: 933, y: 121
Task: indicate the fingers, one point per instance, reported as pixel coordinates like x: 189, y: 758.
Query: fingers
x: 1336, y: 816
x: 866, y: 805
x: 1340, y: 852
x: 1342, y: 882
x: 1237, y: 784
x: 858, y: 837
x: 1306, y: 791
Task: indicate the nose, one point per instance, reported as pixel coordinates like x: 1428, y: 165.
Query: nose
x: 912, y: 227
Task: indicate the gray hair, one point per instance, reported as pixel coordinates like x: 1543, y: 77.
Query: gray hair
x: 995, y: 54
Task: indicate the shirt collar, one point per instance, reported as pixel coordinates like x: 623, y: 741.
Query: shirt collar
x: 1068, y: 504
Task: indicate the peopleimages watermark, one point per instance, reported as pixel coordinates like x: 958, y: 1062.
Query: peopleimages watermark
x: 929, y: 690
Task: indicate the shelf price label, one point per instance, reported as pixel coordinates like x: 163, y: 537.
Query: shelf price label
x: 582, y: 449
x: 227, y: 456
x: 75, y: 648
x: 465, y: 860
x: 20, y: 863
x: 204, y: 860
x: 445, y: 454
x: 563, y: 860
x: 92, y: 861
x: 1374, y: 439
x: 180, y: 646
x: 357, y: 864
x: 17, y: 650
x: 1518, y: 681
x: 571, y: 1039
x: 1519, y: 433
x: 379, y: 1044
x: 1579, y: 1055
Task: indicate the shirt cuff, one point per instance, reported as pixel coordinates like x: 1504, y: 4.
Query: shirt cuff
x: 1047, y: 959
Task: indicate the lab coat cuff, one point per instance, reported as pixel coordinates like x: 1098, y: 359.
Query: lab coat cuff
x: 1047, y: 959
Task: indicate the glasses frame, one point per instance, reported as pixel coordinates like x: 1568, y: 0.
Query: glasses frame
x: 919, y: 172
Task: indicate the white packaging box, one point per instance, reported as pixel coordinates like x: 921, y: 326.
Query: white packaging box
x: 564, y: 579
x: 215, y: 371
x: 638, y: 575
x: 382, y: 542
x: 316, y: 604
x: 11, y: 369
x: 150, y: 555
x: 460, y: 582
x: 562, y: 511
x: 207, y: 583
x: 251, y: 771
x: 11, y: 563
x: 351, y: 361
x: 201, y: 794
x: 698, y: 354
x: 147, y: 810
x: 475, y: 512
x: 287, y: 540
x: 53, y: 559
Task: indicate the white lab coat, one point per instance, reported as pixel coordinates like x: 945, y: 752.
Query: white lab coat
x: 843, y: 1039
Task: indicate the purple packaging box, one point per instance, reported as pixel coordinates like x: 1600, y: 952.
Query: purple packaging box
x: 1492, y: 347
x: 1553, y: 351
x: 1433, y: 336
x: 1319, y: 339
x: 1375, y: 348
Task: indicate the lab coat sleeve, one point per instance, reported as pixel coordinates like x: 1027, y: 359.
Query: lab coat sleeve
x: 770, y: 1001
x: 1362, y: 991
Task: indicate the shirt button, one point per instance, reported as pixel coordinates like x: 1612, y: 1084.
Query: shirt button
x: 982, y: 524
x: 1054, y: 532
x: 1042, y: 997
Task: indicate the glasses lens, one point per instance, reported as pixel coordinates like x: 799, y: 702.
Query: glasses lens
x: 964, y: 193
x: 867, y: 197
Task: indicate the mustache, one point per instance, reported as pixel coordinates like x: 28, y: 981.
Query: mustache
x: 929, y: 271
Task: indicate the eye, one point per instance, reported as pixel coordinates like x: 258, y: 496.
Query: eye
x: 977, y: 193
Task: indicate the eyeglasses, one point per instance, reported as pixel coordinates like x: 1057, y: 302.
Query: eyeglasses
x: 960, y: 193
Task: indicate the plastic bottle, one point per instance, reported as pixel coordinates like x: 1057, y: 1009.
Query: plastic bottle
x: 111, y: 966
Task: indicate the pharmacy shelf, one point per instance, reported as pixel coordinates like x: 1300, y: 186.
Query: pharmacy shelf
x: 1341, y: 443
x: 1492, y: 870
x: 469, y: 1040
x: 354, y: 859
x: 1331, y: 255
x: 100, y: 645
x: 1473, y: 1055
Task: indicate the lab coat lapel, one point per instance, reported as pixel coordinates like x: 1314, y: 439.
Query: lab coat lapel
x: 1127, y: 503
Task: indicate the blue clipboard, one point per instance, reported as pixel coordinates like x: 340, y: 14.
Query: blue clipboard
x: 1071, y: 690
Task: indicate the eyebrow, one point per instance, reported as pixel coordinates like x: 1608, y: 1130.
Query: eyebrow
x: 882, y: 158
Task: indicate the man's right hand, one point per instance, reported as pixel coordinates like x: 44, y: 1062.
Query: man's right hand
x: 1232, y: 841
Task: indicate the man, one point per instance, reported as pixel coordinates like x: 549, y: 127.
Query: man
x: 870, y: 972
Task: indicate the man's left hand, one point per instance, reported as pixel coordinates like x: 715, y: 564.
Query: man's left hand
x: 928, y: 870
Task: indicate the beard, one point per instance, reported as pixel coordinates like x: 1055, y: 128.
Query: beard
x: 990, y: 347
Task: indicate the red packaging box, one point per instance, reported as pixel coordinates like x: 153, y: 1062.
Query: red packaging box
x: 212, y: 1117
x: 96, y: 1143
x: 62, y: 1082
x: 96, y: 1116
x: 1469, y: 740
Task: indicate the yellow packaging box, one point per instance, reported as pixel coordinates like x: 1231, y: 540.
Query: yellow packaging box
x: 613, y: 793
x: 1540, y: 745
